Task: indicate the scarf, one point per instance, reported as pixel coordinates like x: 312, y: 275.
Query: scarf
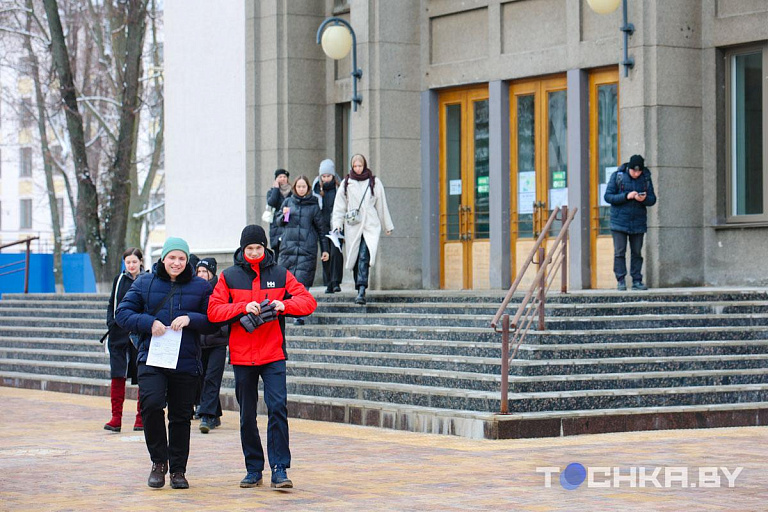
x: 255, y: 263
x: 285, y: 189
x: 365, y: 175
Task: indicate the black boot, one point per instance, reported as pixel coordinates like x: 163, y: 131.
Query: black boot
x: 360, y: 296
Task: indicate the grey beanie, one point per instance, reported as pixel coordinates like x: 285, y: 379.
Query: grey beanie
x: 327, y: 167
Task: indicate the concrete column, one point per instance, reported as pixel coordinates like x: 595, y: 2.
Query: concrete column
x: 579, y: 276
x: 499, y: 184
x: 430, y: 191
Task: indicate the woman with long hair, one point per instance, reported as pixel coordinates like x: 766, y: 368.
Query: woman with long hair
x: 361, y: 211
x: 303, y: 228
x: 122, y: 352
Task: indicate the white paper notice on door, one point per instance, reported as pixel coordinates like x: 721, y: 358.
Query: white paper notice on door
x: 603, y: 187
x: 526, y: 182
x: 525, y: 202
x: 455, y: 188
x: 164, y: 350
x: 558, y: 197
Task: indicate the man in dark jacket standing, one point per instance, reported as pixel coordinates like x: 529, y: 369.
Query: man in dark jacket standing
x: 629, y: 192
x: 280, y: 191
x: 172, y: 299
x: 254, y: 295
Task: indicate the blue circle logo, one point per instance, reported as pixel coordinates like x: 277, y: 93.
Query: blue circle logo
x: 573, y: 476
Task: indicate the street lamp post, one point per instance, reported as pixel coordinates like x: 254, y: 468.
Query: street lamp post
x: 608, y: 6
x: 336, y: 40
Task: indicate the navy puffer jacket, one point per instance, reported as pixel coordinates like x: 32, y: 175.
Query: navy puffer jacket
x: 301, y: 234
x: 628, y: 215
x: 191, y: 298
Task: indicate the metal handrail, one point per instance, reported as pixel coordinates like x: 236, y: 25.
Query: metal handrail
x: 533, y: 304
x: 27, y: 241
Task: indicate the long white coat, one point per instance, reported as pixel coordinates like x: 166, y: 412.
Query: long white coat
x: 374, y: 214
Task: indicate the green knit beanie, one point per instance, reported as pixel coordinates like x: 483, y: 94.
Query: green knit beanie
x: 174, y: 244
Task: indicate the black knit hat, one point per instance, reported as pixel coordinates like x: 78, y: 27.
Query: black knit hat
x: 278, y: 172
x: 253, y: 234
x: 209, y: 264
x: 636, y: 161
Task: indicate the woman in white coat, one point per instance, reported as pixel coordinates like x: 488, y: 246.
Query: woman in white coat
x: 361, y: 192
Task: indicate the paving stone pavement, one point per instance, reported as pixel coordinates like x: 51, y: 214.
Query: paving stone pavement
x: 54, y: 455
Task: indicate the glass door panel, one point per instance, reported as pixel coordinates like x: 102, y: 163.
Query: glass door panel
x: 481, y: 168
x: 526, y: 166
x: 604, y: 160
x: 453, y: 171
x: 557, y: 155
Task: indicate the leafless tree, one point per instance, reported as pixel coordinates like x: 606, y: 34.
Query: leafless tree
x: 96, y: 52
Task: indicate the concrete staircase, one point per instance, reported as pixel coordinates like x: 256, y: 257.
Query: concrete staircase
x: 427, y: 361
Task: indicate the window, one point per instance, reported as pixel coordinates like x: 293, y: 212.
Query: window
x: 25, y: 163
x: 26, y: 116
x: 157, y: 217
x: 25, y: 214
x: 746, y: 121
x: 343, y: 111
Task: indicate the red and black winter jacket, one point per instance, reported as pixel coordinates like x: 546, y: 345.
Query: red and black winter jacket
x: 241, y: 284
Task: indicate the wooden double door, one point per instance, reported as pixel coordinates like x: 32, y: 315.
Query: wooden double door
x: 538, y: 174
x: 464, y: 189
x: 538, y: 162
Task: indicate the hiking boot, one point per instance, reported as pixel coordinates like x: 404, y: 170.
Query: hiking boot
x: 337, y: 289
x: 206, y: 424
x: 329, y: 289
x: 360, y: 299
x: 252, y: 480
x: 157, y: 475
x: 622, y: 286
x: 178, y: 481
x: 280, y: 478
x: 216, y: 422
x: 638, y: 285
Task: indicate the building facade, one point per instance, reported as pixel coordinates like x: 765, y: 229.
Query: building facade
x: 481, y: 116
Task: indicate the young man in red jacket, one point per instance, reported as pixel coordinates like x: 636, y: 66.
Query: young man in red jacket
x: 254, y: 296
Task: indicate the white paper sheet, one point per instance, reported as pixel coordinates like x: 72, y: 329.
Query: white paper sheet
x: 164, y: 350
x: 603, y: 202
x: 525, y: 202
x: 336, y: 238
x: 558, y: 197
x: 455, y: 187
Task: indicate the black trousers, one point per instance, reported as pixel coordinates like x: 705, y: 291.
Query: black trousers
x: 620, y: 255
x: 362, y: 265
x: 158, y: 387
x: 333, y: 269
x: 214, y: 360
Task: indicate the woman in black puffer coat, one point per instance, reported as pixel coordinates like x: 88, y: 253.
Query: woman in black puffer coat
x: 303, y: 229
